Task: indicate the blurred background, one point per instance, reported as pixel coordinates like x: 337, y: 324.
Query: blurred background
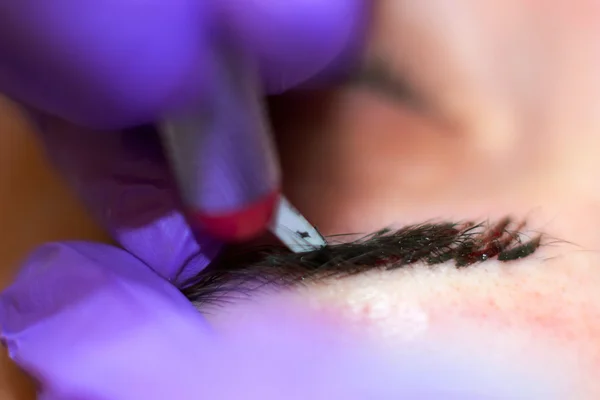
x: 35, y: 207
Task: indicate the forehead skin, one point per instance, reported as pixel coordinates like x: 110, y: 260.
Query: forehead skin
x: 539, y: 315
x: 512, y: 127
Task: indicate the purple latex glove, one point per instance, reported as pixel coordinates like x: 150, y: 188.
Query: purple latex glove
x: 112, y: 64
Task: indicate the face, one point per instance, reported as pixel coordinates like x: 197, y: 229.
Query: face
x: 499, y: 115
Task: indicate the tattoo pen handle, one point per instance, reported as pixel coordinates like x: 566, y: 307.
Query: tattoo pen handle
x: 223, y: 155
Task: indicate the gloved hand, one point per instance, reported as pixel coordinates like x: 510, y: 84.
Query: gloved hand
x: 114, y: 63
x: 93, y: 321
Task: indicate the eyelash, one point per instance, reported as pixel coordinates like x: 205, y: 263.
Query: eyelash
x: 376, y: 75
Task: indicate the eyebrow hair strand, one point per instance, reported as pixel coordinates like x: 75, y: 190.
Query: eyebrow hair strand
x: 464, y: 243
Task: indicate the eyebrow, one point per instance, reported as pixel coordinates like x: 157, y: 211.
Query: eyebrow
x: 465, y: 244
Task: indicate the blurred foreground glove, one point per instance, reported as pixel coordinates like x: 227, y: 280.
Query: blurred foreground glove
x: 109, y: 65
x: 90, y: 321
x: 115, y: 63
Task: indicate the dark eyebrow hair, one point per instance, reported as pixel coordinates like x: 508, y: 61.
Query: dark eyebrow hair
x: 465, y: 244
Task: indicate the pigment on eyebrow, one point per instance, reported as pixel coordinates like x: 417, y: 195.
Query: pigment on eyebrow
x: 465, y: 244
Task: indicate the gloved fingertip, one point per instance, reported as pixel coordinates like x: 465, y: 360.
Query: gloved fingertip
x: 16, y: 302
x: 298, y: 40
x: 124, y: 181
x: 75, y: 302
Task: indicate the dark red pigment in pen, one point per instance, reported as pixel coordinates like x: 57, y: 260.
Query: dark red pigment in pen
x: 240, y: 225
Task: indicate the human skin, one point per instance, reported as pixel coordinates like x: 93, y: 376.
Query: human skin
x: 354, y: 162
x: 510, y: 126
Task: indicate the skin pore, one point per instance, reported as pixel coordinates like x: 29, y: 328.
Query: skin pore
x: 508, y: 124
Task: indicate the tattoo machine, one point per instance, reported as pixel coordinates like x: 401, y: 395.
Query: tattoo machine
x: 223, y: 156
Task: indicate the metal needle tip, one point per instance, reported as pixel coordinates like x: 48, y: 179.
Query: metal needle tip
x: 294, y: 230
